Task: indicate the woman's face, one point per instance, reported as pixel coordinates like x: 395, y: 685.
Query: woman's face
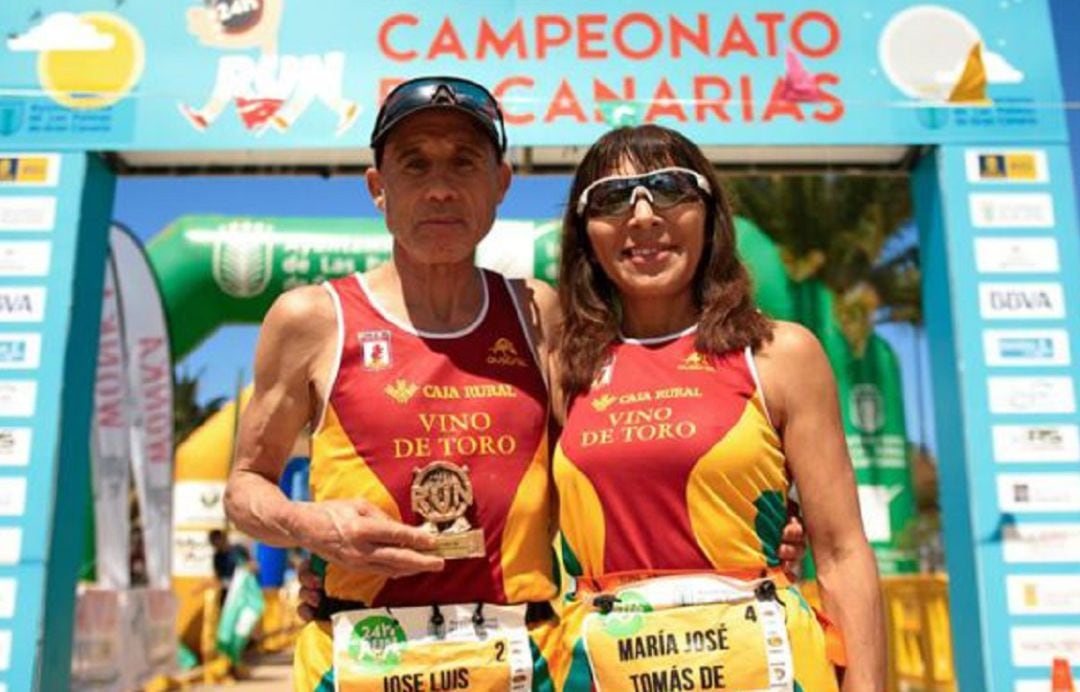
x: 648, y: 251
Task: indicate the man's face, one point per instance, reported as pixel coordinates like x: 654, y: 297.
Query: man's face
x: 439, y: 184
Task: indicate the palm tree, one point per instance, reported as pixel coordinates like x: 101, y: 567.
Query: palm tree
x: 848, y: 231
x: 188, y: 413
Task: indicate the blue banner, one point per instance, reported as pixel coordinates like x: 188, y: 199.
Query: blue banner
x: 272, y: 74
x: 1001, y: 316
x: 53, y: 220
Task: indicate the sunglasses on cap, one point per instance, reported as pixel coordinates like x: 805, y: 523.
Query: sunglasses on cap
x: 665, y: 187
x: 440, y: 92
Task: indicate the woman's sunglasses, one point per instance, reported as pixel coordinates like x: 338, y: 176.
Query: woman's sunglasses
x: 616, y: 195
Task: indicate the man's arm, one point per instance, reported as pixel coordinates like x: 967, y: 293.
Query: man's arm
x: 298, y: 336
x: 802, y: 396
x: 540, y: 306
x: 543, y: 316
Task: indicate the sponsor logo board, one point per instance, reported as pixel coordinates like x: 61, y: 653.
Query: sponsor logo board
x: 1051, y: 442
x: 10, y: 545
x: 14, y: 446
x: 1041, y: 542
x: 27, y: 213
x: 1031, y: 395
x: 1043, y: 594
x: 1039, y: 492
x: 192, y: 555
x: 1017, y: 255
x: 1006, y: 166
x: 20, y: 351
x: 1026, y: 347
x: 1011, y: 209
x: 1021, y: 301
x: 22, y: 304
x: 8, y: 592
x: 29, y: 170
x: 12, y: 496
x: 199, y: 503
x: 18, y: 398
x: 25, y: 258
x: 1039, y: 646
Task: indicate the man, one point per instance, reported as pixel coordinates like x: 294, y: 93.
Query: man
x: 422, y: 384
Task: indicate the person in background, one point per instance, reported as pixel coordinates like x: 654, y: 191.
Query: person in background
x: 226, y: 557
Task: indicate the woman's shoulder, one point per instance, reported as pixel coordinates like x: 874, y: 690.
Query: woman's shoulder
x: 790, y: 341
x: 794, y: 369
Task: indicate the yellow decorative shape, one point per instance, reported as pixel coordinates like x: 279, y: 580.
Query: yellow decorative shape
x: 970, y: 89
x: 724, y: 484
x: 339, y: 473
x: 581, y: 516
x: 526, y: 547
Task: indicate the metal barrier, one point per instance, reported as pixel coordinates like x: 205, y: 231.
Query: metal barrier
x: 920, y: 642
x: 920, y: 655
x: 281, y: 622
x: 276, y: 632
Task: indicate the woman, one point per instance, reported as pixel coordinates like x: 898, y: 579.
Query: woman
x: 689, y: 415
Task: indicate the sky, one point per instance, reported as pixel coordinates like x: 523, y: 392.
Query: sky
x: 148, y: 205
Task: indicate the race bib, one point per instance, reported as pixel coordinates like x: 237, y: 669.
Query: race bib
x: 649, y: 644
x: 406, y: 650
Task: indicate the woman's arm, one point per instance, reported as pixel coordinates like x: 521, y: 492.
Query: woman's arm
x: 802, y: 395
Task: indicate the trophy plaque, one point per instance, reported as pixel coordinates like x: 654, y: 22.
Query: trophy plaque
x: 441, y: 494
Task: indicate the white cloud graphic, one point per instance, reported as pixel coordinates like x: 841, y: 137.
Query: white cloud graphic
x: 998, y: 70
x: 61, y: 31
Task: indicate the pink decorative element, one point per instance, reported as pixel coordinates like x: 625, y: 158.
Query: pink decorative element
x: 799, y: 84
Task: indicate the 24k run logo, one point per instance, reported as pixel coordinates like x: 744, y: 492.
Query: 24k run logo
x: 503, y: 352
x: 401, y: 391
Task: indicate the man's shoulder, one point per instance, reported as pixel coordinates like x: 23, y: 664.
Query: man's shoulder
x: 300, y: 326
x: 303, y: 306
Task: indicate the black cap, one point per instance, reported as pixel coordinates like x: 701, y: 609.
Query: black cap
x: 422, y: 93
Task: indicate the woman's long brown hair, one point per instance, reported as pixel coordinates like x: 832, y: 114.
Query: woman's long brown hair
x: 590, y: 302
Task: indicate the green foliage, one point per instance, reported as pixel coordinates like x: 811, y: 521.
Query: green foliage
x: 188, y: 413
x: 850, y: 232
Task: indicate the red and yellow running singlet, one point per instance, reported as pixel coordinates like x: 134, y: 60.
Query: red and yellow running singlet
x: 401, y: 399
x: 669, y: 462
